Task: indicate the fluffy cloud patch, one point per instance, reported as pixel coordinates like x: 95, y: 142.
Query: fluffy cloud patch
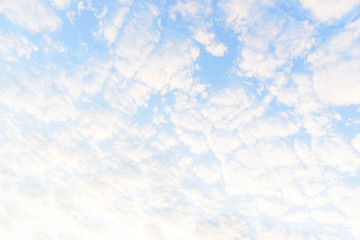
x: 236, y: 12
x: 111, y: 29
x: 196, y: 13
x: 336, y: 76
x: 329, y: 10
x: 272, y: 44
x: 34, y: 16
x: 61, y: 4
x: 211, y: 46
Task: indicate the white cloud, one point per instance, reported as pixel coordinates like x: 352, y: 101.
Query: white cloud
x: 329, y: 10
x: 277, y: 154
x: 102, y: 14
x: 60, y: 4
x: 111, y: 29
x: 232, y: 97
x: 196, y: 142
x: 304, y: 153
x: 165, y: 141
x: 153, y: 233
x: 269, y: 207
x: 271, y: 43
x: 237, y: 180
x: 86, y: 80
x: 222, y: 143
x: 299, y: 93
x: 295, y: 40
x: 208, y: 173
x: 126, y: 98
x: 338, y: 83
x: 258, y: 64
x: 345, y: 199
x: 227, y: 226
x: 211, y: 46
x: 327, y: 217
x: 187, y: 10
x: 293, y: 195
x: 251, y: 159
x: 231, y: 108
x: 172, y: 73
x: 128, y: 139
x: 236, y: 12
x: 80, y: 7
x: 37, y: 99
x: 33, y: 15
x: 356, y: 142
x: 264, y: 231
x: 272, y: 128
x: 271, y: 40
x: 186, y: 116
x: 317, y: 125
x: 142, y: 70
x: 71, y: 16
x: 59, y: 46
x: 335, y: 68
x: 99, y: 125
x: 254, y: 170
x: 14, y: 47
x: 337, y: 153
x: 196, y: 13
x: 138, y: 38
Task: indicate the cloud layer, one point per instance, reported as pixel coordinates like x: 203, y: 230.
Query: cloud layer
x: 179, y: 120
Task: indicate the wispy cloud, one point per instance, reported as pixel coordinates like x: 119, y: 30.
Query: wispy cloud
x: 34, y: 16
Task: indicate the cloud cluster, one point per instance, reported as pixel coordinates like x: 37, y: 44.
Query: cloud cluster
x: 335, y: 73
x: 118, y: 132
x: 60, y: 4
x: 34, y: 16
x: 272, y: 39
x: 196, y: 14
x: 328, y: 11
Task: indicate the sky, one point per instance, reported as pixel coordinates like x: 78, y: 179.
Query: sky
x: 179, y: 119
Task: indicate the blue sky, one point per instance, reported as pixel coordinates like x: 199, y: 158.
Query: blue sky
x: 179, y: 119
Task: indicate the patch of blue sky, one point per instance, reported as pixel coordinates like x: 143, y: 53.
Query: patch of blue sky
x: 216, y: 70
x: 145, y: 114
x: 300, y: 65
x: 345, y: 124
x: 79, y: 39
x: 6, y: 25
x: 351, y: 181
x: 173, y: 28
x: 292, y: 9
x: 324, y: 31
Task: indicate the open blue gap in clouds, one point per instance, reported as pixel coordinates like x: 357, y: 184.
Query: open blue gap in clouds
x: 183, y: 119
